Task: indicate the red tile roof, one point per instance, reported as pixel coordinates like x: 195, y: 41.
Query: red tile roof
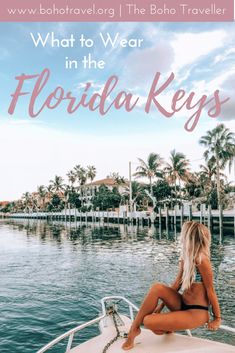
x: 106, y: 181
x: 4, y: 203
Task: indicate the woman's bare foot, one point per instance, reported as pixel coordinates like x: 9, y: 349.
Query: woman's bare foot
x: 130, y: 340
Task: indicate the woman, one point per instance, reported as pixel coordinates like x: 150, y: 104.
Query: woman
x: 195, y: 277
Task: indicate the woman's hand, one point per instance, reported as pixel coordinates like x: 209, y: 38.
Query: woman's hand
x: 214, y: 325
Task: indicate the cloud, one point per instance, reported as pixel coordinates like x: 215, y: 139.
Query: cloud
x: 141, y: 65
x: 229, y: 82
x: 180, y: 53
x: 190, y: 47
x: 228, y: 54
x: 225, y: 82
x: 95, y: 86
x: 228, y: 112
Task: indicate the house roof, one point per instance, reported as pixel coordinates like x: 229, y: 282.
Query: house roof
x: 4, y: 203
x: 106, y: 181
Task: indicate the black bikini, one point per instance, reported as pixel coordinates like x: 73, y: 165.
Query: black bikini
x: 192, y: 306
x: 184, y: 306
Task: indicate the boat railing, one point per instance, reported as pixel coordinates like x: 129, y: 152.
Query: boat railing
x: 119, y: 298
x: 70, y: 334
x: 227, y: 328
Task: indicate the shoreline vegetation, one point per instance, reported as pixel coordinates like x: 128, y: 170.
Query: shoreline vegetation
x: 170, y: 184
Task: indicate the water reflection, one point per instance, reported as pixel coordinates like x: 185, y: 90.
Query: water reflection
x: 54, y: 274
x: 58, y: 230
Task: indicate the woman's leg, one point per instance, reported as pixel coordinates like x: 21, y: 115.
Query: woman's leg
x: 178, y: 320
x: 171, y: 298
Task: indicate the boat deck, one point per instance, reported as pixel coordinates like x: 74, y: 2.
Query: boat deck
x: 147, y: 342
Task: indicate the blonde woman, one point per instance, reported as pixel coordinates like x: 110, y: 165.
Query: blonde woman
x: 195, y: 277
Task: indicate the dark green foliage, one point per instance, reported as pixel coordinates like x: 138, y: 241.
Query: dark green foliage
x: 193, y: 189
x: 7, y: 208
x: 106, y: 199
x: 56, y: 203
x: 213, y: 199
x: 161, y: 190
x: 74, y: 199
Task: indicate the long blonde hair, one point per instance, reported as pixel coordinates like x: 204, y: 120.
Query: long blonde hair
x: 195, y: 241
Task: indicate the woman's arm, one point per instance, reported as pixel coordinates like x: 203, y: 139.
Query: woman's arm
x: 206, y: 272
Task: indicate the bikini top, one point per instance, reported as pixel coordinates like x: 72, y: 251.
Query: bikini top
x: 198, y: 277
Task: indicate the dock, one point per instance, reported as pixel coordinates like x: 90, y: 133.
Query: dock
x: 165, y: 217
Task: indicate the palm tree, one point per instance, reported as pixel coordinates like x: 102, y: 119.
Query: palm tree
x: 81, y: 177
x: 220, y: 150
x: 208, y: 170
x: 57, y: 184
x: 71, y: 177
x: 207, y: 176
x: 81, y: 174
x: 34, y: 202
x: 49, y: 192
x: 177, y: 169
x: 138, y: 192
x: 119, y: 180
x: 68, y: 189
x: 27, y: 200
x: 91, y: 172
x: 41, y: 196
x: 150, y: 169
x: 18, y: 206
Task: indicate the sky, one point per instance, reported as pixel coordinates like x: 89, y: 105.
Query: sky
x: 33, y: 150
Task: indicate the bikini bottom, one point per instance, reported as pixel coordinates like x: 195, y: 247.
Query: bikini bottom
x: 192, y: 306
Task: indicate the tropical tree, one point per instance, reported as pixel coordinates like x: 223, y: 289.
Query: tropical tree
x: 57, y: 184
x: 81, y: 177
x: 150, y: 169
x: 138, y: 193
x: 41, y: 196
x: 81, y: 174
x: 193, y: 186
x: 56, y: 203
x: 49, y: 192
x: 177, y: 169
x: 71, y: 177
x: 18, y: 205
x: 91, y: 172
x: 27, y: 200
x: 161, y: 190
x: 10, y: 207
x: 207, y: 177
x: 220, y: 151
x: 119, y: 180
x: 106, y: 199
x: 208, y: 171
x: 74, y: 199
x: 34, y: 202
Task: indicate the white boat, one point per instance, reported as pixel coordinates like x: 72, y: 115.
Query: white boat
x: 114, y: 326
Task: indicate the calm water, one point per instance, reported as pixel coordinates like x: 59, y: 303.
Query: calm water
x: 52, y: 277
